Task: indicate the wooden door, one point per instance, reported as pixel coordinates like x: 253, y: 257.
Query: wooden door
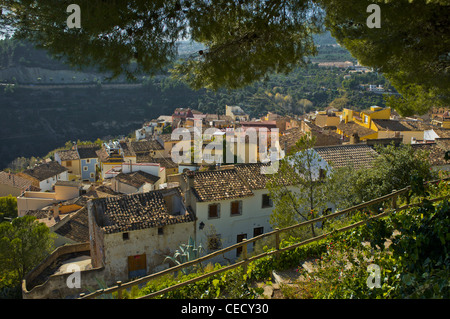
x: 137, y: 266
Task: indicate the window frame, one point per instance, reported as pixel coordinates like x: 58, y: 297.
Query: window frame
x: 217, y: 211
x: 239, y: 203
x: 270, y: 203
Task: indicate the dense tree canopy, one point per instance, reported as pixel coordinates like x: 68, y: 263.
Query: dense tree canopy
x: 245, y: 40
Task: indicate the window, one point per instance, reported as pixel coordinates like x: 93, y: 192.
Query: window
x: 85, y: 168
x: 266, y: 201
x: 88, y: 161
x: 160, y: 231
x: 236, y: 208
x: 92, y: 175
x: 366, y: 119
x: 125, y: 236
x: 68, y: 163
x: 214, y: 211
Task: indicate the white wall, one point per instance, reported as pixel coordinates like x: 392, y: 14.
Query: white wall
x: 47, y: 184
x: 34, y: 201
x: 145, y: 241
x: 229, y: 227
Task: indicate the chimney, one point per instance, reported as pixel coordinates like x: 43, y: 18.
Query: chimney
x: 354, y: 139
x: 55, y: 210
x: 188, y: 191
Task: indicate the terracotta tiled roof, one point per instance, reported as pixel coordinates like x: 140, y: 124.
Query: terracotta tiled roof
x: 436, y: 151
x: 289, y: 138
x: 146, y: 146
x: 127, y: 149
x: 351, y: 128
x: 104, y: 157
x: 391, y: 125
x: 443, y: 143
x: 354, y: 155
x: 40, y: 213
x: 68, y: 155
x: 136, y: 179
x: 443, y: 133
x: 88, y: 151
x: 416, y: 125
x: 166, y: 162
x: 251, y: 173
x: 324, y: 137
x: 77, y: 228
x: 14, y: 180
x: 46, y: 170
x: 137, y: 211
x: 219, y: 185
x: 168, y: 137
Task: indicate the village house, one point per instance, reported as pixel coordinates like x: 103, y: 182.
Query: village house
x: 56, y: 216
x: 324, y: 120
x: 12, y: 184
x: 64, y: 190
x: 151, y: 148
x: 44, y: 176
x: 437, y: 153
x: 154, y: 169
x: 71, y: 160
x: 167, y: 163
x: 356, y: 156
x: 168, y: 143
x: 132, y: 235
x: 218, y: 121
x: 88, y: 161
x: 128, y: 154
x: 236, y: 113
x: 441, y: 119
x: 146, y: 131
x: 109, y: 156
x: 324, y: 136
x: 376, y: 123
x: 231, y: 204
x: 134, y: 182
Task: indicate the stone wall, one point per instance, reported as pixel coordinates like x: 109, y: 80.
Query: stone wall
x: 55, y: 287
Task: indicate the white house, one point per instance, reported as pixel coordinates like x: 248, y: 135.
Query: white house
x: 46, y: 175
x: 154, y: 169
x: 130, y: 236
x: 134, y: 182
x: 230, y: 204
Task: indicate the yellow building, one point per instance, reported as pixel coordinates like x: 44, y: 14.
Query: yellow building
x: 376, y: 123
x: 71, y: 160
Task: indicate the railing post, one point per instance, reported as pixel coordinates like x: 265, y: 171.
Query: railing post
x: 277, y: 242
x: 244, y: 255
x: 394, y: 200
x: 119, y: 292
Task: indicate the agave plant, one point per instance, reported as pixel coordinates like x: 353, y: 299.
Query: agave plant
x: 186, y: 253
